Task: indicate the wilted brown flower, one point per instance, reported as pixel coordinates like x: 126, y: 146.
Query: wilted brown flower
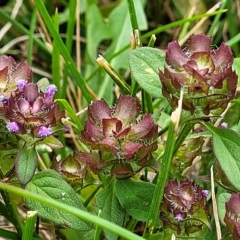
x: 205, y: 74
x: 184, y: 208
x: 120, y: 139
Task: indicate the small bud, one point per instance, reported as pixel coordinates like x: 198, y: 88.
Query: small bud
x: 21, y: 84
x: 3, y: 99
x: 224, y: 125
x: 51, y: 90
x: 179, y: 217
x: 13, y: 127
x: 205, y: 193
x: 44, y: 131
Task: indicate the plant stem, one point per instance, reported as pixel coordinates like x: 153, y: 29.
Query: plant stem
x: 62, y: 48
x: 13, y: 212
x: 74, y: 211
x: 133, y: 16
x: 161, y: 182
x: 29, y: 225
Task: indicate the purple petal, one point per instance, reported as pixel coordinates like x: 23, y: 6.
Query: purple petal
x: 91, y: 132
x: 21, y: 83
x: 51, y: 90
x: 109, y: 144
x: 222, y: 57
x: 200, y: 43
x: 179, y: 217
x: 205, y: 193
x: 37, y: 105
x: 130, y: 148
x: 99, y: 110
x: 143, y: 128
x: 3, y: 77
x: 31, y: 92
x: 44, y: 131
x: 175, y: 56
x: 127, y: 109
x: 13, y: 127
x: 23, y: 105
x: 7, y: 61
x: 4, y: 100
x: 22, y: 71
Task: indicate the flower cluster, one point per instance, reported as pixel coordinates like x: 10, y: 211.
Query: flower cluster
x: 183, y: 203
x: 25, y: 108
x: 205, y: 74
x: 120, y: 140
x: 32, y: 111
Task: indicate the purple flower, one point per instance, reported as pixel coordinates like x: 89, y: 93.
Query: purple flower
x: 51, y: 90
x: 13, y: 127
x: 179, y: 217
x: 205, y: 193
x: 205, y: 74
x: 44, y: 131
x: 21, y: 84
x: 33, y: 111
x: 224, y: 125
x: 121, y: 141
x: 3, y: 99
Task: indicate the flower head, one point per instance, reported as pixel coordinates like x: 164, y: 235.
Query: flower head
x: 32, y: 110
x: 184, y: 207
x: 232, y: 218
x: 119, y: 137
x: 205, y: 74
x: 73, y: 169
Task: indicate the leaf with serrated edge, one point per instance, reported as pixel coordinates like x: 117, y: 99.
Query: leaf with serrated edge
x: 50, y: 184
x: 145, y: 63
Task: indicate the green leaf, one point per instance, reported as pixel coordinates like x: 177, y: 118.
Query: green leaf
x: 71, y: 113
x: 119, y: 24
x: 145, y: 63
x: 7, y: 160
x: 52, y: 142
x: 135, y: 197
x: 108, y: 203
x: 222, y: 199
x: 26, y: 163
x: 236, y: 67
x: 50, y: 184
x: 226, y: 146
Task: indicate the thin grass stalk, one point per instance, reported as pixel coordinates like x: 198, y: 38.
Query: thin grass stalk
x: 31, y: 36
x: 67, y: 57
x: 72, y: 210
